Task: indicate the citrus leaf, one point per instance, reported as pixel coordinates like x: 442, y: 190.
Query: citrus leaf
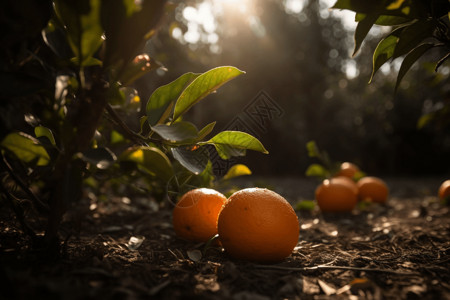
x: 409, y: 9
x: 362, y: 29
x: 151, y: 160
x: 235, y: 143
x: 206, y: 130
x: 384, y: 20
x: 82, y: 23
x: 410, y: 59
x: 26, y: 148
x: 357, y: 6
x: 236, y: 171
x: 391, y: 20
x: 305, y: 205
x: 316, y: 170
x: 202, y: 86
x: 192, y: 158
x: 412, y: 35
x: 161, y: 102
x: 313, y: 150
x: 177, y: 132
x: 396, y: 4
x: 384, y: 51
x: 41, y: 131
x: 102, y: 158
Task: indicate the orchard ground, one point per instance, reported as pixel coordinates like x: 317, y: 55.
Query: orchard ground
x: 400, y: 250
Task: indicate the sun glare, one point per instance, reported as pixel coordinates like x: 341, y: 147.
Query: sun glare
x: 201, y: 20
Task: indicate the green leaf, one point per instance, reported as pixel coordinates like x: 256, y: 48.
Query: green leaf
x: 384, y: 51
x: 117, y: 137
x: 55, y: 38
x: 26, y: 148
x: 151, y: 160
x: 102, y: 158
x: 142, y: 123
x: 362, y: 29
x: 385, y: 20
x: 410, y: 59
x: 409, y: 10
x: 391, y: 20
x: 236, y: 171
x: 195, y: 159
x: 161, y: 102
x: 82, y: 23
x: 202, y: 86
x: 206, y: 130
x: 313, y: 150
x: 316, y: 170
x: 41, y: 131
x: 357, y: 6
x: 177, y: 132
x: 235, y: 143
x: 412, y: 35
x: 305, y: 205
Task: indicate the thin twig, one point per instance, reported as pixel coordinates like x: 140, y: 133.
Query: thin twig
x: 327, y: 267
x: 130, y: 133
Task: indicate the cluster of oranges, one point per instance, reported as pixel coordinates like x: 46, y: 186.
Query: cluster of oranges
x: 258, y: 224
x: 341, y: 193
x: 253, y: 224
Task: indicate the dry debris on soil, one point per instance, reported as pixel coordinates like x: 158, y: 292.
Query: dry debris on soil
x: 126, y: 249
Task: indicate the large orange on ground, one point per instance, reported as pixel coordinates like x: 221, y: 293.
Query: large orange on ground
x: 194, y: 217
x: 336, y: 195
x: 372, y: 189
x: 259, y: 225
x: 444, y: 190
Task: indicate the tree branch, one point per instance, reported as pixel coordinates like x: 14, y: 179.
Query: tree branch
x: 137, y: 138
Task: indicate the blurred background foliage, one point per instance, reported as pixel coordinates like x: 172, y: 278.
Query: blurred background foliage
x: 299, y: 53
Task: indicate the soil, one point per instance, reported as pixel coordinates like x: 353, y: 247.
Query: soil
x: 400, y: 250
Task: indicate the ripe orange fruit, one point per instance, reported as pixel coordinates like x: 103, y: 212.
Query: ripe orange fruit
x: 372, y: 189
x: 259, y: 225
x: 336, y: 195
x: 194, y: 217
x: 348, y: 169
x: 347, y: 181
x: 444, y: 190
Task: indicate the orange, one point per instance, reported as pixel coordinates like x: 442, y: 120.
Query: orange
x: 194, y: 217
x: 258, y: 225
x: 348, y: 169
x: 444, y: 190
x: 336, y: 195
x: 347, y: 181
x: 372, y: 189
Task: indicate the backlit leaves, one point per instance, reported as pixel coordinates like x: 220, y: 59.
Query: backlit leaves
x: 418, y: 21
x: 235, y: 143
x: 202, y: 86
x: 25, y: 148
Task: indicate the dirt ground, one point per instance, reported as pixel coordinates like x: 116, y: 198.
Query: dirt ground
x: 400, y: 250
